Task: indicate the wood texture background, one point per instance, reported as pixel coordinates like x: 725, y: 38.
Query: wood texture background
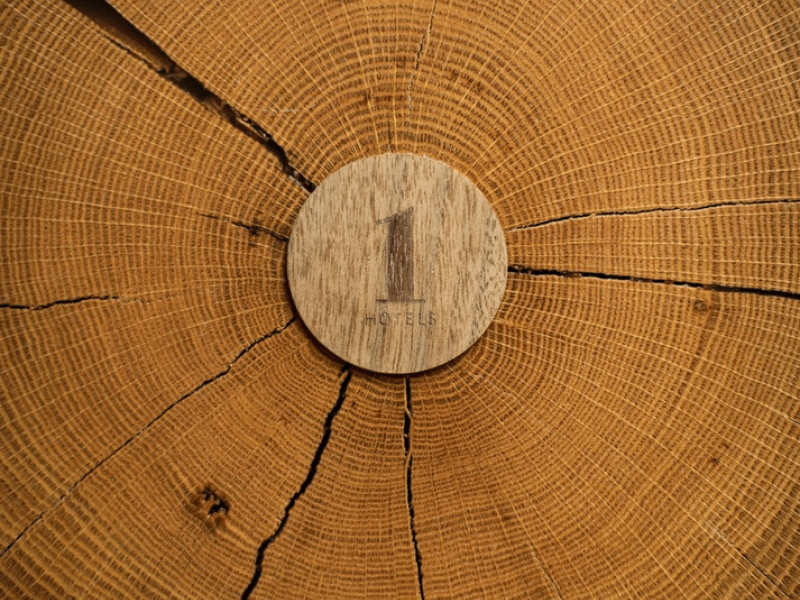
x: 627, y: 427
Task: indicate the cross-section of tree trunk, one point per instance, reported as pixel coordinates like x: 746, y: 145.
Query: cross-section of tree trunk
x: 628, y: 426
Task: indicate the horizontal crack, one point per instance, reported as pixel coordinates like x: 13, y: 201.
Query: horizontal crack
x: 691, y: 284
x: 347, y: 370
x: 123, y: 33
x: 68, y: 301
x: 252, y: 228
x: 644, y: 211
x: 131, y: 439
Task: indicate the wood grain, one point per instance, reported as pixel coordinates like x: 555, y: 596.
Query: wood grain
x: 628, y: 426
x: 397, y: 263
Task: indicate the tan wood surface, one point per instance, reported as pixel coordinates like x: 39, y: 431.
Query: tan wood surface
x: 628, y: 425
x: 397, y: 263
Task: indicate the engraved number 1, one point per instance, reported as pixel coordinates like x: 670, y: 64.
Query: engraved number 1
x: 400, y: 257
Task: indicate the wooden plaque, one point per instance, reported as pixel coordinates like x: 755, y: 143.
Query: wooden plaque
x: 397, y: 263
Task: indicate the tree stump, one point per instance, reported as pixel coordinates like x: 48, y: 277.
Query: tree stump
x: 625, y: 425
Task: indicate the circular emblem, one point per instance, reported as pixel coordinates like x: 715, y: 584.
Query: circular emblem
x: 397, y: 263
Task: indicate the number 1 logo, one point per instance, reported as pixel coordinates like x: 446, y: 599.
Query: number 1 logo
x: 400, y: 257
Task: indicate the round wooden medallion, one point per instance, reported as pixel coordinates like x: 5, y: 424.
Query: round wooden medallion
x: 397, y: 263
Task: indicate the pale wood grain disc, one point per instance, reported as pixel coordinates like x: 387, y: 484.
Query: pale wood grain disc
x: 397, y: 263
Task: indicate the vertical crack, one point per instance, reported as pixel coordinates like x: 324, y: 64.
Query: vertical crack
x: 423, y: 44
x: 409, y: 497
x: 124, y: 34
x: 347, y: 371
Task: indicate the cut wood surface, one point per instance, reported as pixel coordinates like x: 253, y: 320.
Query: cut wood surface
x: 397, y: 263
x: 628, y: 424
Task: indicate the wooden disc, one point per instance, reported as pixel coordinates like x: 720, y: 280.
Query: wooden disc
x: 627, y: 427
x: 397, y: 263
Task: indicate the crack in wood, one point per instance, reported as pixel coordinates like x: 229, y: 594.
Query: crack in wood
x: 763, y: 574
x: 251, y: 228
x: 152, y: 422
x: 68, y: 301
x: 423, y: 44
x: 409, y: 497
x: 347, y: 371
x: 714, y: 287
x: 124, y: 34
x: 645, y: 211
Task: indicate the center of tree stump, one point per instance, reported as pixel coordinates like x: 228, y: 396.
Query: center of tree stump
x: 397, y: 263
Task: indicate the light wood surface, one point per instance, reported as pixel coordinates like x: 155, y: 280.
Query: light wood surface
x: 397, y: 263
x: 627, y: 427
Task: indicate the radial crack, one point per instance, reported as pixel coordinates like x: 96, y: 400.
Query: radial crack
x: 347, y: 371
x: 763, y: 574
x: 645, y: 211
x: 67, y: 301
x: 252, y: 228
x: 409, y: 497
x: 131, y: 439
x: 423, y: 45
x: 715, y: 287
x: 123, y: 33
